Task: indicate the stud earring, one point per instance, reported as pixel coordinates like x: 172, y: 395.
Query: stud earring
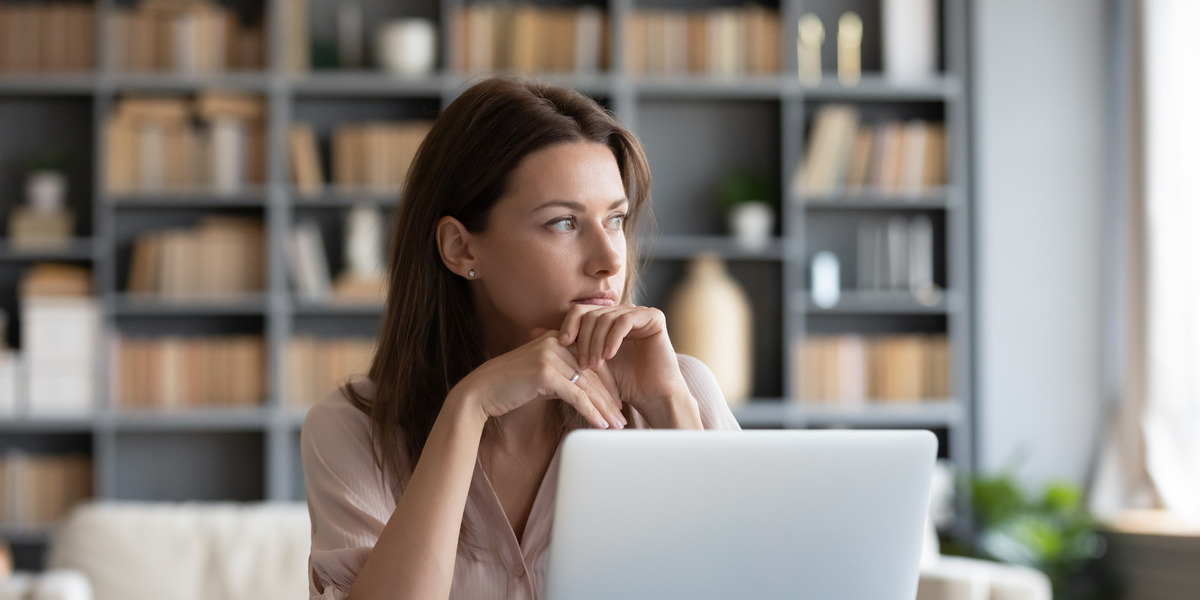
x: 471, y: 274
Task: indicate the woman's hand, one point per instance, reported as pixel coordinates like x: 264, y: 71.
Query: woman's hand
x: 629, y: 344
x: 542, y: 369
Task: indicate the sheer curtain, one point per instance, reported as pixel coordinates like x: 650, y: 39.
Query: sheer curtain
x: 1151, y: 450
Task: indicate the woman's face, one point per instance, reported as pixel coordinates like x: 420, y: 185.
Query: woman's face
x: 554, y: 240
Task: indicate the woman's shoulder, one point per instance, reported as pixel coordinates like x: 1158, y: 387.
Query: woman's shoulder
x: 337, y: 404
x: 335, y: 421
x: 714, y: 410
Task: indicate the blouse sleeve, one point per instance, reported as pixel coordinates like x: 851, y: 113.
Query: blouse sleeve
x: 349, y: 501
x: 714, y: 411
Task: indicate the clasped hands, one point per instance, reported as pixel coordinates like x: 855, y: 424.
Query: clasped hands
x: 622, y: 355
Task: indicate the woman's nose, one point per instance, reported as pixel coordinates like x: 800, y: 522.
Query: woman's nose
x: 606, y: 253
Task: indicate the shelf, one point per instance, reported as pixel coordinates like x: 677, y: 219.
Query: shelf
x: 136, y: 305
x: 869, y: 200
x: 78, y: 249
x: 366, y: 83
x: 46, y: 424
x: 694, y: 127
x: 195, y: 198
x: 250, y: 81
x: 294, y: 417
x: 761, y: 87
x: 686, y: 247
x: 345, y: 198
x: 853, y: 302
x: 190, y: 419
x: 599, y: 84
x: 777, y: 413
x: 54, y: 84
x: 876, y: 88
x: 334, y: 309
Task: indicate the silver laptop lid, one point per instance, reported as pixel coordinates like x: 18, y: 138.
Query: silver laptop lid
x: 828, y: 515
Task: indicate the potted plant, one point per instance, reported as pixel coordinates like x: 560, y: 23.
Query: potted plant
x: 46, y: 182
x: 748, y: 201
x: 43, y: 221
x: 1052, y: 532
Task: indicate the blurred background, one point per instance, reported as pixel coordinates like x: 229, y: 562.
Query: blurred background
x: 966, y: 216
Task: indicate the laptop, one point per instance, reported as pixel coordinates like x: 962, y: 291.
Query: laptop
x: 827, y: 515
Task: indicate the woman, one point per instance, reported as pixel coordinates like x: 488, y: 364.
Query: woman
x: 508, y: 323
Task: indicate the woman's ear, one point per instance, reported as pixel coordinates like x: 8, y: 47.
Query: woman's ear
x: 454, y: 244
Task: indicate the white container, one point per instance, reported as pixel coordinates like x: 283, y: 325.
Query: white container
x: 826, y: 279
x: 406, y: 47
x: 46, y: 191
x: 909, y: 40
x: 752, y: 224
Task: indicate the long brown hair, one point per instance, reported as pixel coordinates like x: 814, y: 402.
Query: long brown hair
x: 430, y: 336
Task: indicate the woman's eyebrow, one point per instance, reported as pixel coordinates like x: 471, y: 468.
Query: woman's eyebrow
x: 577, y: 206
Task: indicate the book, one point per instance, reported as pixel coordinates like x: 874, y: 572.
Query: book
x: 177, y: 372
x: 859, y: 165
x: 897, y: 248
x: 920, y: 254
x: 305, y: 161
x: 59, y: 337
x: 588, y: 36
x: 228, y: 154
x: 317, y: 366
x: 912, y: 169
x: 9, y: 371
x: 307, y: 262
x: 295, y: 19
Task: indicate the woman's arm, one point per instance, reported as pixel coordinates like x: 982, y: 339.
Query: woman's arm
x: 415, y: 554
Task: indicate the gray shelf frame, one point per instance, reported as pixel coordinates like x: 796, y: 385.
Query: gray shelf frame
x: 281, y: 204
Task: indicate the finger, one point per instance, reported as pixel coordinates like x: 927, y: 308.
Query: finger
x: 583, y: 341
x: 604, y: 398
x: 617, y: 333
x: 602, y: 333
x: 585, y: 404
x: 538, y: 332
x: 570, y: 325
x: 605, y: 376
x: 590, y: 400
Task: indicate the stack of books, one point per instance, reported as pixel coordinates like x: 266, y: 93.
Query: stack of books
x: 38, y: 490
x: 852, y: 370
x: 317, y: 366
x: 222, y: 258
x: 188, y: 37
x: 373, y: 157
x: 896, y: 254
x: 154, y: 145
x: 180, y: 373
x: 60, y: 329
x: 890, y: 157
x: 376, y: 155
x: 722, y: 42
x: 530, y: 39
x: 51, y: 36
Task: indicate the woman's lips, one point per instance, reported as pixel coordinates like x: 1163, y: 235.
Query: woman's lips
x: 597, y: 301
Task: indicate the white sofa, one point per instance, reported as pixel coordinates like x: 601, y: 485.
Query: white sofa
x: 190, y: 551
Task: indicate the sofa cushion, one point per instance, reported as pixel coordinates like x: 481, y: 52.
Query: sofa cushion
x: 133, y: 551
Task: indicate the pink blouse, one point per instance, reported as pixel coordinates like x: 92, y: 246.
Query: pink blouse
x: 350, y: 501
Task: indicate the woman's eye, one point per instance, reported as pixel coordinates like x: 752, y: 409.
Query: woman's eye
x: 563, y: 224
x: 617, y: 222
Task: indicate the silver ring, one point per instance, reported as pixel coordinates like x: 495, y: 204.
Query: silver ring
x: 575, y: 377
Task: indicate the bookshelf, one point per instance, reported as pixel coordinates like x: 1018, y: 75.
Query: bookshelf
x: 694, y: 127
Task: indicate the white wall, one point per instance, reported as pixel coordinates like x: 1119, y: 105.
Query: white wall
x: 1040, y: 135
